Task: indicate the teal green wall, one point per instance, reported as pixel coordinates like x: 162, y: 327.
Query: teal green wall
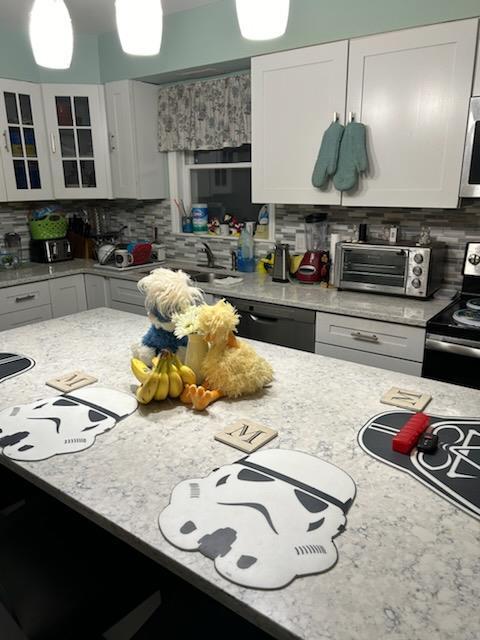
x: 16, y: 60
x: 210, y: 34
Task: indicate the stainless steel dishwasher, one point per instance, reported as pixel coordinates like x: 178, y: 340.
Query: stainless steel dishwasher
x: 277, y: 324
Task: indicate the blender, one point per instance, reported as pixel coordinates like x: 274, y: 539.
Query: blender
x: 314, y: 264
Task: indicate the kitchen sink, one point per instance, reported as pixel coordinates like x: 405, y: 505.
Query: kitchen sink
x: 206, y: 277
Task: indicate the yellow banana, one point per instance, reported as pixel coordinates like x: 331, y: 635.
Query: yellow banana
x: 187, y: 375
x: 140, y: 369
x: 146, y: 391
x: 175, y: 384
x: 163, y: 383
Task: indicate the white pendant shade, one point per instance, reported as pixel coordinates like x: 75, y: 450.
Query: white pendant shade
x: 262, y: 19
x: 139, y: 25
x: 51, y: 34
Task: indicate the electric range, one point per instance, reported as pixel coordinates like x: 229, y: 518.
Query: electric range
x: 452, y: 345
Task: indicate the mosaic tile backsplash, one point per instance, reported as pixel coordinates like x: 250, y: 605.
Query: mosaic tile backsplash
x: 455, y: 227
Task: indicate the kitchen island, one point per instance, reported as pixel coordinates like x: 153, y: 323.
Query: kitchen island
x: 408, y: 560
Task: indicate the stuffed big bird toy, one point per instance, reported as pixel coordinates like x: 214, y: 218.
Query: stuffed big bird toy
x: 231, y: 367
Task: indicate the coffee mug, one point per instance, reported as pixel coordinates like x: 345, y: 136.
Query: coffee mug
x: 123, y: 258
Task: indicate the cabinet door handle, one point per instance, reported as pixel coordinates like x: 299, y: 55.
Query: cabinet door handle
x: 29, y: 296
x: 351, y: 116
x: 5, y: 137
x: 53, y: 146
x: 112, y: 140
x: 365, y: 337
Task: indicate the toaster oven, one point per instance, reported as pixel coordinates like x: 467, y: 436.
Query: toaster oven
x: 401, y: 269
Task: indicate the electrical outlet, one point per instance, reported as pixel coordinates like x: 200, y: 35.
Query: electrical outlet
x: 300, y: 243
x: 129, y: 229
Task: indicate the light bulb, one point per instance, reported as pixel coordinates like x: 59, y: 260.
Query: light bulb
x: 139, y: 25
x: 262, y: 19
x: 51, y: 34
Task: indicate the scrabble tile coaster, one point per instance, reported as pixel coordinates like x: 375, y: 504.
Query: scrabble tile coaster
x: 71, y: 381
x: 246, y: 435
x: 413, y: 400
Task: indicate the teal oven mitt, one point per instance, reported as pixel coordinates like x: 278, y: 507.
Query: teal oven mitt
x: 352, y: 159
x: 326, y: 164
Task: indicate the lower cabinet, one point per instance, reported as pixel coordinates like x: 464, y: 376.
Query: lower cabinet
x: 125, y: 296
x: 67, y: 295
x: 24, y: 304
x: 97, y: 291
x: 387, y: 345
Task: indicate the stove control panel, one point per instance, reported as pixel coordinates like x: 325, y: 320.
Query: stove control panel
x: 472, y: 259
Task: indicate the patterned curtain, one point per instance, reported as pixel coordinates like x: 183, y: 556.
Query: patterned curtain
x: 209, y: 114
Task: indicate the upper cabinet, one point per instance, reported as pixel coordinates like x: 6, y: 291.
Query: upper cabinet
x: 24, y: 152
x: 412, y: 89
x: 294, y: 97
x: 77, y: 136
x: 138, y: 168
x: 476, y: 81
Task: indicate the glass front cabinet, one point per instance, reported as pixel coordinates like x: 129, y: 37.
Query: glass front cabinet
x: 77, y: 137
x: 24, y: 151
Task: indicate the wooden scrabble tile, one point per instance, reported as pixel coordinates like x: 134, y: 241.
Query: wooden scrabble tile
x: 406, y: 399
x: 71, y: 381
x: 246, y: 435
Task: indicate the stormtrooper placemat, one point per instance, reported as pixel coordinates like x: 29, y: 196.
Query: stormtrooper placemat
x: 61, y: 424
x: 452, y: 471
x: 12, y: 364
x: 264, y: 520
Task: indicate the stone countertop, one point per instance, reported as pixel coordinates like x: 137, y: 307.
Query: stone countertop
x: 408, y: 561
x: 258, y: 287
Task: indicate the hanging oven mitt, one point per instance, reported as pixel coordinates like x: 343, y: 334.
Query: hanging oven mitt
x: 326, y: 164
x: 352, y: 159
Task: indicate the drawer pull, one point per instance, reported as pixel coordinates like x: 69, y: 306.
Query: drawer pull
x: 365, y: 337
x: 29, y: 296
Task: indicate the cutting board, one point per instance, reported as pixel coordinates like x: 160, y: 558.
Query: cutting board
x: 452, y: 471
x: 13, y: 364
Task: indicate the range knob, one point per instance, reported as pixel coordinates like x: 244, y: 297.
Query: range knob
x: 416, y: 284
x: 474, y: 259
x: 418, y: 258
x: 417, y: 271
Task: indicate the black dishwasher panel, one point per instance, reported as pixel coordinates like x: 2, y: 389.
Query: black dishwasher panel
x: 276, y: 324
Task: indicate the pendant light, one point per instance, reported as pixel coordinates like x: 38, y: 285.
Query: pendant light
x: 139, y: 25
x: 262, y: 19
x: 51, y: 34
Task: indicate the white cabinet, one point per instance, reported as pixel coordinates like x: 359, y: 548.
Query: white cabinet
x: 3, y: 189
x: 96, y: 289
x: 77, y: 136
x: 411, y: 89
x: 294, y: 96
x: 125, y: 296
x: 138, y: 167
x: 387, y: 345
x: 67, y: 295
x: 476, y: 79
x: 24, y: 151
x: 24, y: 304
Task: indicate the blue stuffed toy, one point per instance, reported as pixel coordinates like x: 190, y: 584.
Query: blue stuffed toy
x: 167, y: 293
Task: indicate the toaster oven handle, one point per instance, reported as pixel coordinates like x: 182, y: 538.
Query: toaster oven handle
x: 452, y: 347
x: 365, y: 337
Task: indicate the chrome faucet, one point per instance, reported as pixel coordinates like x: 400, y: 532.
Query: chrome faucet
x: 211, y: 264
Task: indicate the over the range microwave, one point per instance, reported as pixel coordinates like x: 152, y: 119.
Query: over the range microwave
x: 401, y: 269
x: 470, y: 187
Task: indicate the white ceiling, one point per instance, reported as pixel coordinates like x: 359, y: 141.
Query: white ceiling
x: 89, y: 16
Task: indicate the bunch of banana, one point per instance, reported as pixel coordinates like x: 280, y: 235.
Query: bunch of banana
x: 166, y: 378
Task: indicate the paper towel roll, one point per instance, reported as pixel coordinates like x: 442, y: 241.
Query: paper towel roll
x: 334, y: 238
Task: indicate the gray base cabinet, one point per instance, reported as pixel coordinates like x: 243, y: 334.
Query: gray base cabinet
x: 97, y: 291
x: 67, y: 295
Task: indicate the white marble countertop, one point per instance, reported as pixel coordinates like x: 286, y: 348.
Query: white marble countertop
x: 408, y: 561
x: 258, y: 287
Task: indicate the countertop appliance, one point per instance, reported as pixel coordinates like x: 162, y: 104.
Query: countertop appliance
x: 470, y: 186
x: 281, y: 263
x: 50, y: 250
x: 452, y: 345
x: 310, y: 269
x: 276, y: 324
x: 401, y: 269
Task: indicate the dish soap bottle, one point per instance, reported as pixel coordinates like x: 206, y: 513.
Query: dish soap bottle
x: 246, y: 259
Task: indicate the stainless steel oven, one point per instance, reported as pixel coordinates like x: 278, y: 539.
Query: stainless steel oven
x: 470, y: 187
x: 405, y: 270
